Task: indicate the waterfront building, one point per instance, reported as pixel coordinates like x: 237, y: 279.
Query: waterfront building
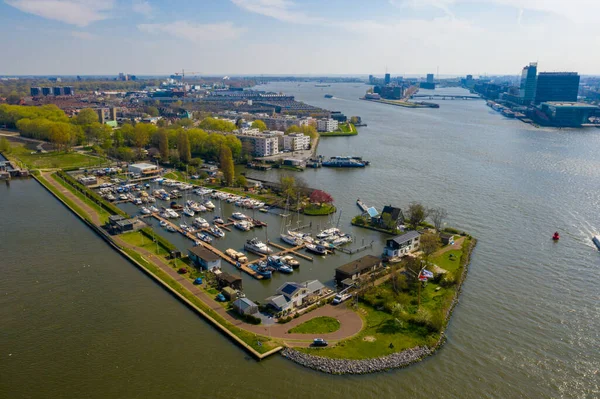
x: 567, y: 114
x: 557, y: 86
x: 327, y: 125
x: 350, y: 272
x: 261, y: 144
x: 293, y: 295
x: 528, y: 84
x: 143, y: 169
x: 402, y: 245
x: 204, y: 258
x: 296, y: 142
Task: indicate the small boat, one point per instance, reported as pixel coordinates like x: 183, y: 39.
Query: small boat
x: 556, y: 236
x: 596, y: 241
x: 217, y: 232
x: 163, y: 223
x: 263, y: 210
x: 257, y: 223
x: 145, y: 210
x: 204, y: 237
x: 328, y: 232
x: 201, y: 223
x: 243, y: 225
x: 328, y: 96
x: 171, y: 229
x: 208, y: 204
x: 188, y: 212
x: 276, y: 263
x: 290, y: 261
x: 289, y: 239
x: 262, y: 270
x: 317, y: 249
x: 239, y: 216
x: 256, y: 246
x: 153, y: 209
x: 218, y: 219
x: 122, y: 197
x: 341, y: 240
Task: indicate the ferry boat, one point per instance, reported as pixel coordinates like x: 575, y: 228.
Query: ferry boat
x: 239, y: 216
x: 258, y: 247
x: 344, y: 162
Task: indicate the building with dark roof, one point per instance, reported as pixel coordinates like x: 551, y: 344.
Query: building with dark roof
x: 348, y: 273
x: 395, y: 218
x: 557, y: 86
x: 204, y: 258
x: 568, y: 114
x: 292, y: 295
x: 402, y: 245
x: 227, y: 280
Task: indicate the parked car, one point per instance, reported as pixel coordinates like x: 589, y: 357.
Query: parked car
x: 319, y: 342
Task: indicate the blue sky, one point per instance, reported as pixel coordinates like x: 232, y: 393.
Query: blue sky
x: 227, y: 37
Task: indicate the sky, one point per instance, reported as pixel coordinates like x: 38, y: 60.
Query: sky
x: 314, y: 37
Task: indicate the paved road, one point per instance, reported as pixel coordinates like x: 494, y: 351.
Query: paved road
x: 350, y: 322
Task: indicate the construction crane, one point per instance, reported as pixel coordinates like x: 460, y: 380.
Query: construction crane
x: 182, y: 74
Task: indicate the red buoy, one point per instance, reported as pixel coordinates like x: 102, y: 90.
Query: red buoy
x: 556, y: 236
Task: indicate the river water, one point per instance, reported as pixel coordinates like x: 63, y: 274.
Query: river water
x: 79, y: 321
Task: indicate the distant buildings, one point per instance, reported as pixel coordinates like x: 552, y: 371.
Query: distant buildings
x: 430, y: 78
x: 46, y: 91
x: 557, y: 86
x: 327, y: 125
x: 429, y: 83
x: 56, y: 91
x: 387, y: 79
x: 528, y: 84
x: 35, y: 91
x: 389, y: 92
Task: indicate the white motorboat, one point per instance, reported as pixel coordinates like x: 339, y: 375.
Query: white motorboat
x: 217, y: 232
x: 290, y: 261
x: 188, y: 212
x: 201, y: 223
x: 243, y: 225
x: 171, y: 229
x: 317, y: 249
x: 208, y: 204
x: 204, y: 237
x: 163, y: 223
x: 341, y: 240
x: 153, y: 209
x: 258, y: 247
x: 145, y: 210
x: 239, y: 216
x: 328, y: 232
x: 218, y: 219
x: 293, y: 241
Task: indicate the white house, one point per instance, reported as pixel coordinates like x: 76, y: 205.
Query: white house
x: 143, y: 168
x: 402, y: 245
x: 296, y: 142
x: 327, y: 125
x: 292, y: 295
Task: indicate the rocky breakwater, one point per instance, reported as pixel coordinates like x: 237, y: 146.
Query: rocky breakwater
x: 365, y: 366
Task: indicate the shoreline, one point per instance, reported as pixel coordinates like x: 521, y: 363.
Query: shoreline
x: 395, y: 360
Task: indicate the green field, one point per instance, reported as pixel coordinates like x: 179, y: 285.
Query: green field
x: 345, y: 129
x: 318, y: 325
x: 52, y: 160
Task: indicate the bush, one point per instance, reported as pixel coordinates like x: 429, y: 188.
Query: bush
x: 251, y: 319
x: 296, y: 316
x: 359, y: 220
x: 283, y: 320
x: 166, y: 245
x: 451, y: 230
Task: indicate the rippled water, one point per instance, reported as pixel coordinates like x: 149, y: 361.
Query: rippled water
x: 79, y: 321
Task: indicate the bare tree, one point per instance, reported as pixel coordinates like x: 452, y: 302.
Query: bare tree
x: 437, y: 216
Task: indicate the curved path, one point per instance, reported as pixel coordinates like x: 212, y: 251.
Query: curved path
x: 350, y: 322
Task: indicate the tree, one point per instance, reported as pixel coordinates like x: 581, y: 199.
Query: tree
x: 320, y: 197
x: 354, y: 120
x: 4, y: 145
x: 241, y: 181
x: 226, y: 162
x: 125, y: 154
x: 141, y: 135
x: 183, y: 145
x: 437, y: 216
x: 86, y: 116
x: 163, y: 145
x: 13, y: 98
x: 429, y: 243
x: 260, y: 125
x: 416, y: 213
x: 387, y: 221
x: 152, y: 111
x: 60, y: 135
x: 288, y: 186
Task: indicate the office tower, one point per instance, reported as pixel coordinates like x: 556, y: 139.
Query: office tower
x: 557, y: 86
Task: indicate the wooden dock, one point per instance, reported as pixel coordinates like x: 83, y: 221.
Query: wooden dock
x: 293, y: 250
x: 351, y: 251
x: 214, y: 250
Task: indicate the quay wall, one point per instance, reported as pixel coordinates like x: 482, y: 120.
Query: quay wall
x: 185, y: 301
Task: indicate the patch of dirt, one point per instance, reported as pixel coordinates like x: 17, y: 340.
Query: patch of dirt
x: 369, y: 338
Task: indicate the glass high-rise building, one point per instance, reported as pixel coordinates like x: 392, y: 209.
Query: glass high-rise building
x: 528, y: 83
x: 557, y: 86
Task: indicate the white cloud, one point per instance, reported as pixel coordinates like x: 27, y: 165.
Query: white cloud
x: 142, y: 7
x: 83, y: 35
x: 74, y: 12
x: 283, y: 10
x: 195, y: 32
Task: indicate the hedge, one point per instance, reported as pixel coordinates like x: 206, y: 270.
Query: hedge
x: 167, y: 246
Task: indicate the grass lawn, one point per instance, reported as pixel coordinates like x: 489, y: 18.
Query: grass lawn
x: 318, y: 210
x: 445, y: 261
x: 176, y: 175
x: 318, y: 325
x: 380, y: 330
x: 344, y: 129
x: 57, y: 160
x: 103, y: 214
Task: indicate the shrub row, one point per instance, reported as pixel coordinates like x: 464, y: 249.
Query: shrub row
x: 110, y: 208
x: 166, y: 245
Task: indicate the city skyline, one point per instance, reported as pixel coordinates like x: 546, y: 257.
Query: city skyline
x: 279, y: 37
